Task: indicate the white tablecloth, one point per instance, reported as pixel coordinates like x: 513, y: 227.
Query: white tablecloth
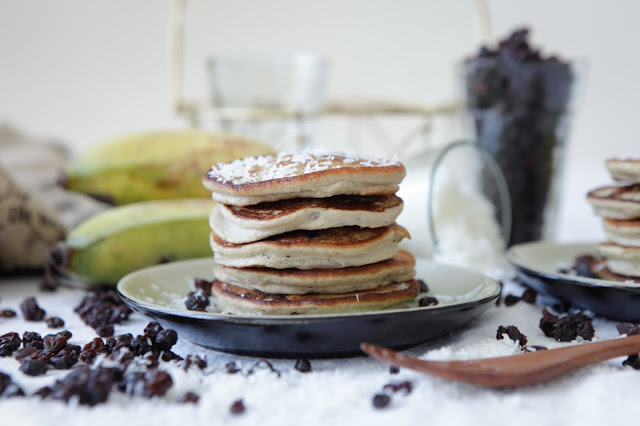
x: 336, y: 391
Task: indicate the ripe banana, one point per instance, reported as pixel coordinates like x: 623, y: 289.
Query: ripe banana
x: 123, y: 239
x: 156, y: 165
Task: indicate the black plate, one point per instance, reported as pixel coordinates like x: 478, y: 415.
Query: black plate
x: 539, y: 263
x: 159, y: 292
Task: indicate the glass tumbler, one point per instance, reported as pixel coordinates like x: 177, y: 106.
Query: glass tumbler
x: 272, y: 83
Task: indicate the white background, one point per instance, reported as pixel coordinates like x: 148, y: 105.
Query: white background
x: 82, y: 71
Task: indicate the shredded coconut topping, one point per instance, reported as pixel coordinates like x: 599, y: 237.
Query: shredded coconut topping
x: 284, y: 165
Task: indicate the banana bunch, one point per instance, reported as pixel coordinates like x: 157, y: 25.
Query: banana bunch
x: 123, y: 239
x: 157, y: 165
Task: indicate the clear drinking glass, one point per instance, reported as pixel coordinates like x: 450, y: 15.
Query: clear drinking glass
x: 447, y: 203
x: 293, y: 82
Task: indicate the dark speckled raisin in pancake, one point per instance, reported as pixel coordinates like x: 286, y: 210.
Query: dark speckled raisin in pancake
x: 239, y: 300
x: 325, y: 248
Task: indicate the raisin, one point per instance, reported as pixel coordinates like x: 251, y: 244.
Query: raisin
x: 428, y: 301
x: 529, y: 296
x: 394, y: 370
x: 303, y: 365
x: 105, y: 330
x: 54, y: 342
x: 124, y: 341
x: 27, y: 353
x: 633, y: 361
x: 140, y: 345
x: 7, y: 313
x: 189, y: 397
x: 32, y: 339
x: 34, y: 367
x: 237, y: 407
x: 196, y: 301
x: 424, y: 288
x: 151, y: 330
x: 31, y: 311
x: 513, y: 333
x: 203, y: 286
x: 66, y: 358
x: 510, y: 300
x: 406, y: 387
x: 165, y: 339
x: 157, y: 383
x: 628, y: 328
x: 8, y: 388
x: 9, y: 343
x: 263, y: 363
x: 548, y: 323
x: 195, y: 360
x: 381, y: 400
x: 55, y: 322
x: 231, y: 368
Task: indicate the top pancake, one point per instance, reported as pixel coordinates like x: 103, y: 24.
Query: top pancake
x: 625, y: 170
x: 254, y: 180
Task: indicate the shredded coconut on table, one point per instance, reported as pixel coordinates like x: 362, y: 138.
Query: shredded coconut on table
x: 283, y: 165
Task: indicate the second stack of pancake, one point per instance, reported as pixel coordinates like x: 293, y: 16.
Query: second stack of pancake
x: 619, y: 206
x: 308, y: 233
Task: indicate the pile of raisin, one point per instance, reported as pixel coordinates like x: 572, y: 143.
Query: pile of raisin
x: 518, y: 99
x: 198, y: 300
x: 568, y: 327
x: 101, y: 309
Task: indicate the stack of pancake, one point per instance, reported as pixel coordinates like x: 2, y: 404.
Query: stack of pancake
x: 619, y: 206
x: 308, y: 233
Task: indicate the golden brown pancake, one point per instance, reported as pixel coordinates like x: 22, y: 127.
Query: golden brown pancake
x: 623, y: 260
x: 400, y: 268
x: 246, y: 224
x: 602, y: 271
x: 254, y: 180
x: 625, y: 170
x: 238, y: 300
x: 616, y: 202
x: 623, y: 232
x: 325, y: 248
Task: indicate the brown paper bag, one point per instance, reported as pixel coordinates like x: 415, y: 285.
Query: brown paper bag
x: 28, y: 229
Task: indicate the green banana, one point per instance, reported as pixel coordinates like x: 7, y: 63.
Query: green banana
x: 120, y: 240
x: 156, y: 165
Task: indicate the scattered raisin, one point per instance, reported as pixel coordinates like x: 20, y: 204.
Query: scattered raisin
x: 32, y: 339
x: 231, y: 368
x: 548, y: 323
x: 424, y: 288
x: 263, y: 363
x: 7, y: 313
x: 428, y: 301
x: 189, y: 397
x: 34, y: 367
x: 105, y: 330
x: 196, y: 301
x: 55, y: 322
x: 31, y: 311
x: 394, y: 370
x: 513, y: 333
x: 195, y: 360
x: 9, y: 343
x: 157, y: 383
x: 165, y: 339
x: 237, y: 407
x: 628, y: 328
x: 633, y: 361
x: 303, y: 365
x: 510, y: 300
x: 204, y: 286
x: 140, y: 345
x: 529, y: 296
x: 381, y: 400
x: 151, y: 330
x: 406, y: 387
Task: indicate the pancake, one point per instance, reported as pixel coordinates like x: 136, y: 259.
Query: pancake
x: 325, y: 248
x: 254, y: 180
x: 400, y: 268
x: 623, y: 232
x: 616, y: 202
x: 238, y: 300
x: 252, y: 223
x: 625, y: 170
x: 623, y: 260
x: 603, y: 272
